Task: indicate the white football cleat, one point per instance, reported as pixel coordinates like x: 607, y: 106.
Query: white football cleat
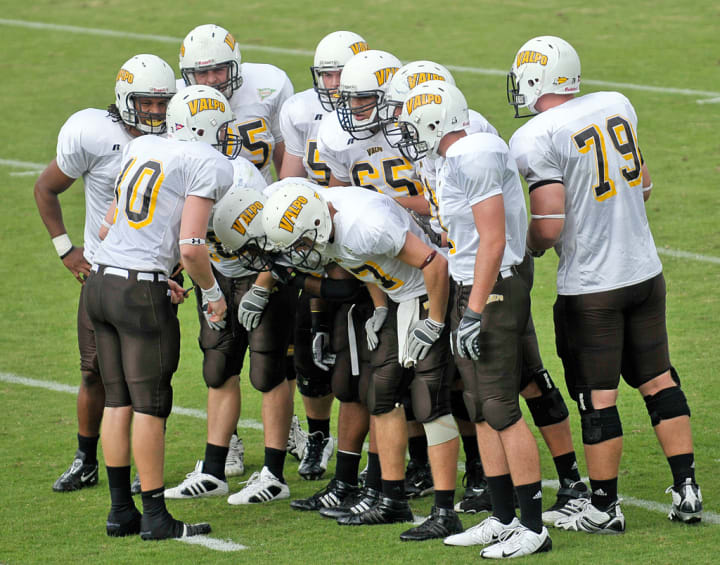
x: 198, y: 485
x: 297, y: 439
x: 686, y: 502
x: 235, y: 460
x: 487, y: 531
x: 261, y: 487
x: 592, y: 520
x: 517, y: 543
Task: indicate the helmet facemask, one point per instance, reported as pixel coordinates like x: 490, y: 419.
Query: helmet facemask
x: 328, y: 97
x: 229, y: 144
x: 361, y: 128
x: 145, y: 122
x: 232, y: 83
x: 306, y: 253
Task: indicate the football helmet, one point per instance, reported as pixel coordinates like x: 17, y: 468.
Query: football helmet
x: 143, y: 76
x: 237, y: 222
x: 331, y: 54
x: 297, y: 221
x: 430, y: 111
x: 544, y: 65
x: 201, y: 113
x: 363, y: 91
x: 211, y: 47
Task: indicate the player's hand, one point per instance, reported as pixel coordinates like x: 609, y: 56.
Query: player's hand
x: 252, y: 306
x: 322, y: 357
x: 421, y: 337
x: 373, y: 325
x: 76, y: 264
x: 177, y: 293
x: 214, y: 312
x: 468, y: 335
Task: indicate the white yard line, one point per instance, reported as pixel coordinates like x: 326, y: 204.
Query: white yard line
x: 214, y: 543
x: 715, y: 96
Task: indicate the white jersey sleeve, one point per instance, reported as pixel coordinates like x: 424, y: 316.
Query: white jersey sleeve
x: 332, y: 140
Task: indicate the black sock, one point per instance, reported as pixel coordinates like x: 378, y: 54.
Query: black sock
x: 604, y: 493
x: 156, y: 518
x: 417, y: 446
x: 275, y: 461
x: 394, y: 489
x: 444, y: 498
x: 88, y: 445
x: 682, y: 467
x: 153, y: 502
x: 501, y: 496
x: 214, y: 464
x: 373, y: 472
x: 470, y: 447
x: 346, y: 467
x: 319, y: 426
x: 119, y: 483
x: 567, y: 468
x: 530, y: 499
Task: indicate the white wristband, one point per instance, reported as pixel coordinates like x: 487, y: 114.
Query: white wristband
x: 648, y: 188
x: 62, y: 244
x: 547, y: 216
x: 212, y: 294
x: 105, y: 224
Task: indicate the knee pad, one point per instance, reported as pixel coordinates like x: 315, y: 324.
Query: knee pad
x: 313, y: 385
x: 266, y: 372
x: 382, y: 396
x: 214, y: 365
x: 600, y: 425
x: 501, y: 413
x: 161, y: 408
x: 429, y: 398
x: 90, y: 378
x: 440, y: 430
x: 548, y: 409
x: 667, y: 404
x: 457, y: 406
x: 473, y: 406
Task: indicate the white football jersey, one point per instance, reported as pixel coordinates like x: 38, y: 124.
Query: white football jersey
x: 370, y: 231
x: 589, y: 144
x: 157, y: 175
x: 370, y: 163
x: 245, y: 175
x: 300, y: 119
x: 475, y: 168
x: 90, y: 146
x: 425, y: 168
x: 256, y: 105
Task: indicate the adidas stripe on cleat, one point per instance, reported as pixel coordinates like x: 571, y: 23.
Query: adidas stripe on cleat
x: 686, y: 502
x: 570, y: 498
x: 259, y: 488
x: 198, y: 485
x: 334, y: 494
x: 592, y: 520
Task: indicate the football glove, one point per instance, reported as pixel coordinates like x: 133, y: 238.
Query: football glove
x: 373, y: 325
x: 213, y: 325
x: 421, y: 336
x: 322, y: 358
x: 468, y: 335
x: 252, y: 306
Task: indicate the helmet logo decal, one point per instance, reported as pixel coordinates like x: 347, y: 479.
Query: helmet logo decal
x: 419, y: 78
x: 247, y: 216
x: 201, y: 104
x: 384, y: 75
x: 530, y: 57
x: 560, y: 80
x: 421, y: 100
x: 182, y: 50
x: 287, y: 222
x: 358, y: 47
x: 230, y: 40
x: 124, y: 75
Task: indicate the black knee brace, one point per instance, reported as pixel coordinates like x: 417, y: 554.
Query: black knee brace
x: 600, y: 425
x: 667, y: 404
x: 674, y: 375
x: 548, y: 409
x: 457, y: 405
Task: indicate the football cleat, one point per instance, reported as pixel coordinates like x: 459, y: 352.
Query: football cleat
x: 441, y: 523
x: 686, y: 502
x: 198, y: 485
x: 79, y: 475
x: 333, y: 495
x: 386, y: 511
x: 169, y: 528
x: 518, y: 542
x: 418, y: 479
x: 297, y: 439
x: 261, y: 487
x: 588, y: 518
x: 135, y: 487
x: 478, y: 503
x: 362, y: 477
x: 473, y: 479
x: 363, y: 500
x: 565, y: 504
x: 124, y: 524
x: 486, y: 532
x: 318, y: 451
x: 235, y: 460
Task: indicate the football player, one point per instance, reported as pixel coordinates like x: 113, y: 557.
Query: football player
x: 588, y: 182
x: 371, y: 237
x: 90, y: 146
x: 480, y: 200
x: 164, y: 197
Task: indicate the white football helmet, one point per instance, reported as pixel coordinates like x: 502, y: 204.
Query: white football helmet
x: 430, y: 111
x: 143, y: 76
x: 544, y: 65
x: 210, y: 47
x: 331, y: 54
x: 237, y: 222
x: 363, y: 90
x: 201, y: 113
x: 297, y: 221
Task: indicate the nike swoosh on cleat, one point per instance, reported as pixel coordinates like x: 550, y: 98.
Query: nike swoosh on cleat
x: 84, y: 478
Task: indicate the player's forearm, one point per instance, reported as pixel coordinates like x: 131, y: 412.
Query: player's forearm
x: 487, y: 267
x: 197, y: 264
x: 437, y: 284
x: 48, y: 205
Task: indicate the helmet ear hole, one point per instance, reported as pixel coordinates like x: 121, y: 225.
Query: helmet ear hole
x: 200, y: 132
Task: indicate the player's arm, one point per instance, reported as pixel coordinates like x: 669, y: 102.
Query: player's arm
x: 51, y: 183
x: 489, y: 218
x: 434, y: 268
x: 292, y: 166
x: 108, y: 220
x: 547, y: 209
x: 335, y: 182
x: 194, y: 253
x: 418, y: 203
x: 646, y: 183
x: 279, y: 156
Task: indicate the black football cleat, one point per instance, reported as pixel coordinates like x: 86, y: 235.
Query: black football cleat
x: 79, y: 475
x: 441, y: 523
x: 386, y: 511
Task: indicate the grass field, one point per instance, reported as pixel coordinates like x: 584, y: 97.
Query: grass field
x: 662, y: 54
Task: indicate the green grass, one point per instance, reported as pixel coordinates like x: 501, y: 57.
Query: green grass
x: 47, y: 75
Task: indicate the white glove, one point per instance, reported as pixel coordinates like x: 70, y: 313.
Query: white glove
x: 252, y: 306
x: 321, y: 356
x: 373, y: 325
x: 213, y: 325
x: 421, y: 336
x: 468, y: 335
